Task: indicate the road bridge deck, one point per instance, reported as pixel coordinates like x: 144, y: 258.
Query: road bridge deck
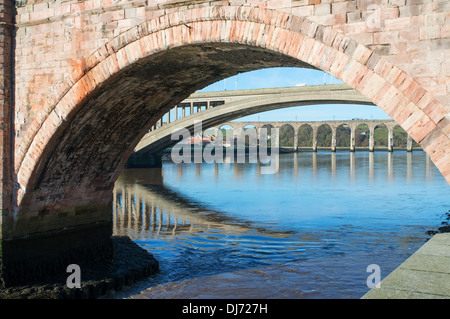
x: 424, y: 275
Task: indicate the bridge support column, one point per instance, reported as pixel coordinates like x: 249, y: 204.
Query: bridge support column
x: 409, y: 143
x: 371, y: 140
x: 333, y: 139
x: 237, y: 131
x: 352, y: 139
x: 314, y: 146
x: 390, y: 140
x: 296, y: 140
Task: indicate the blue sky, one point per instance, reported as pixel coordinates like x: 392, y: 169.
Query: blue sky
x: 282, y: 77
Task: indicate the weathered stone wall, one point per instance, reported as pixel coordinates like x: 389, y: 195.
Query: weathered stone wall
x: 53, y: 37
x: 72, y: 58
x: 82, y: 81
x: 6, y: 103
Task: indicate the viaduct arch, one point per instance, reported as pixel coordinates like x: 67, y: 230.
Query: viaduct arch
x: 332, y: 125
x: 66, y: 137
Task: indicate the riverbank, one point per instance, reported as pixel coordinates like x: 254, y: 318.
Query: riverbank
x: 424, y: 275
x: 131, y: 263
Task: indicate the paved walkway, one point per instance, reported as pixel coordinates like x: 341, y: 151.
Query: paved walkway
x: 426, y: 274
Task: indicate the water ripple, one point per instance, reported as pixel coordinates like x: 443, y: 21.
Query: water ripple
x: 297, y: 234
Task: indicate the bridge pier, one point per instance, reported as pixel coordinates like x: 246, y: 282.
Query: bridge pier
x: 371, y: 139
x: 390, y: 139
x: 296, y: 140
x: 409, y: 143
x: 314, y: 146
x: 333, y: 139
x: 352, y: 139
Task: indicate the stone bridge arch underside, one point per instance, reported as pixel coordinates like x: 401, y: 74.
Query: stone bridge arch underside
x: 78, y: 136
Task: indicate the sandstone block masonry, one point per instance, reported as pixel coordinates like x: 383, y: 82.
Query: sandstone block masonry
x: 57, y: 41
x: 6, y: 105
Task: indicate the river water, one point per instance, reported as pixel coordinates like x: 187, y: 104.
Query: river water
x: 308, y: 231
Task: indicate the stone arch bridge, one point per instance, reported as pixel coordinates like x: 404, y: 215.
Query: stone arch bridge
x: 82, y: 81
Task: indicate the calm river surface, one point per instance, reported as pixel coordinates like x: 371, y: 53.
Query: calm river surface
x: 308, y: 231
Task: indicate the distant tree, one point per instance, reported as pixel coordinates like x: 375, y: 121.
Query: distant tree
x: 380, y: 136
x: 343, y: 136
x: 286, y: 136
x: 362, y: 135
x: 324, y: 136
x: 305, y: 136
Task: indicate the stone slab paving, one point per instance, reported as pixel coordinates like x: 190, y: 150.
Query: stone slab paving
x: 425, y: 275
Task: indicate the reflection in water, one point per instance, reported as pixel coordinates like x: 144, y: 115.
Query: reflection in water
x: 352, y: 166
x: 333, y: 165
x: 295, y: 164
x: 371, y: 167
x: 314, y: 164
x: 153, y: 210
x: 308, y: 231
x: 408, y: 166
x: 390, y: 171
x: 429, y: 167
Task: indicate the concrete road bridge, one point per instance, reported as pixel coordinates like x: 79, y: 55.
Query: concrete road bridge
x: 82, y: 82
x: 213, y: 108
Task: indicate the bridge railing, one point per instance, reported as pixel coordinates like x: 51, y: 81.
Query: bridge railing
x: 186, y: 109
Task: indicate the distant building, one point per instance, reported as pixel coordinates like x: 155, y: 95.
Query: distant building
x: 199, y: 140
